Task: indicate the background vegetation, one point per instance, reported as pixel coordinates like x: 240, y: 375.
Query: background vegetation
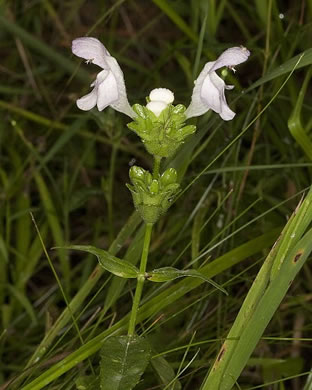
x: 67, y: 170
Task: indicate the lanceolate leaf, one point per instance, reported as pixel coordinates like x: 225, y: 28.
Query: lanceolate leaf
x: 123, y: 361
x: 116, y: 266
x: 169, y: 273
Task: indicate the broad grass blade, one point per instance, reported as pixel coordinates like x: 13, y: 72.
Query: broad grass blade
x: 269, y: 288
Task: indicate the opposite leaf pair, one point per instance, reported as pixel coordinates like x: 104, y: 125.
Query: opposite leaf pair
x: 125, y: 269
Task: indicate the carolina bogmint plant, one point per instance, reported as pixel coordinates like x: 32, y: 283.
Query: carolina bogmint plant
x: 162, y: 128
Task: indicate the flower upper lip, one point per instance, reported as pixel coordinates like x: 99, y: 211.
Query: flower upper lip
x: 231, y: 57
x: 208, y: 92
x: 109, y: 86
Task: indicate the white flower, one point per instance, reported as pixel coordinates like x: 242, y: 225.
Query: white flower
x: 156, y: 107
x: 159, y: 100
x: 161, y: 95
x: 109, y: 86
x: 208, y: 92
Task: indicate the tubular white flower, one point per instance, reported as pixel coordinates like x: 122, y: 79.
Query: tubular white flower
x: 159, y: 100
x: 109, y: 86
x: 161, y: 95
x: 156, y: 107
x: 208, y: 92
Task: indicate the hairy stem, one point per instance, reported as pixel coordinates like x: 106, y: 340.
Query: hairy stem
x: 156, y: 168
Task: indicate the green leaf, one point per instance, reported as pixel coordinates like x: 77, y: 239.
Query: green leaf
x: 116, y: 266
x: 295, y: 126
x: 305, y: 60
x: 54, y: 224
x: 123, y: 361
x: 278, y: 271
x: 167, y: 8
x: 23, y: 300
x: 154, y: 305
x: 277, y: 370
x: 167, y: 274
x: 165, y: 373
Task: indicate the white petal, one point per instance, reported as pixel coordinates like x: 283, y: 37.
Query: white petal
x: 231, y: 57
x: 197, y: 107
x: 156, y: 107
x: 107, y: 91
x: 212, y: 94
x: 226, y: 113
x: 214, y: 86
x: 87, y: 102
x: 101, y: 76
x: 122, y: 104
x: 161, y: 95
x: 92, y: 50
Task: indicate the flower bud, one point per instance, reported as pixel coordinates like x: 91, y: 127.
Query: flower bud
x: 170, y: 176
x: 136, y: 172
x: 161, y: 95
x: 154, y: 187
x: 152, y: 197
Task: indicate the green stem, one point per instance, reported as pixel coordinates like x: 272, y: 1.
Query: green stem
x: 156, y: 168
x: 141, y: 279
x: 144, y: 257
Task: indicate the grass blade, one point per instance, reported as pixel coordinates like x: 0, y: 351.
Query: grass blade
x: 278, y: 271
x: 31, y: 41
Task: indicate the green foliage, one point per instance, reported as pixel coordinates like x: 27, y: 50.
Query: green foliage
x: 112, y: 264
x: 280, y: 268
x: 294, y: 122
x: 167, y: 274
x: 165, y: 373
x: 123, y: 361
x: 241, y: 181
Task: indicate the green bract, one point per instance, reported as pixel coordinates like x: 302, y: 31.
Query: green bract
x: 152, y: 197
x: 162, y: 135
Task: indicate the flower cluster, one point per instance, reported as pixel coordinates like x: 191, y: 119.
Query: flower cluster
x: 109, y: 86
x: 153, y: 196
x: 161, y: 127
x: 159, y: 124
